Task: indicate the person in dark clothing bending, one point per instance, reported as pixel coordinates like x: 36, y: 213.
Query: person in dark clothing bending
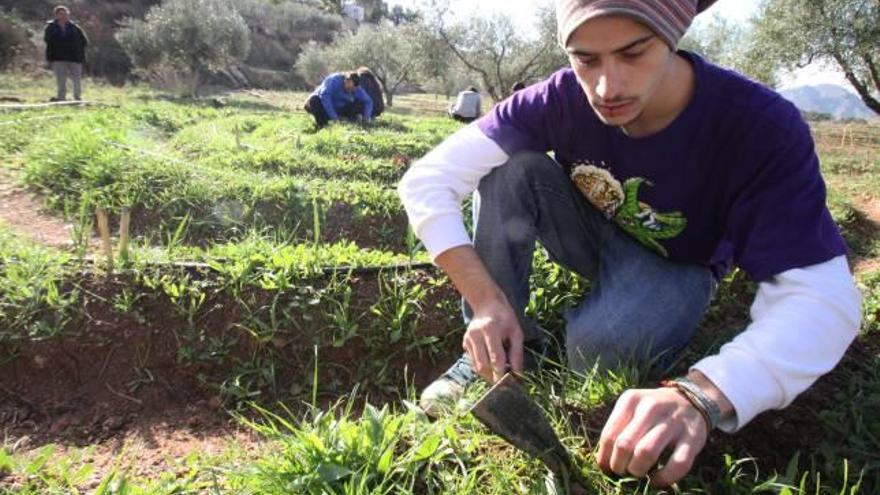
x: 373, y: 88
x: 339, y: 96
x: 66, y: 52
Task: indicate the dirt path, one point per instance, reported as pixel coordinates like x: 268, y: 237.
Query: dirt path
x: 147, y: 451
x: 22, y: 211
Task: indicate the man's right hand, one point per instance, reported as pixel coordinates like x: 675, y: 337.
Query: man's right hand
x: 494, y: 341
x: 494, y: 338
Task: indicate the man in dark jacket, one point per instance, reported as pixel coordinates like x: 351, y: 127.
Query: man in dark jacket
x: 66, y: 52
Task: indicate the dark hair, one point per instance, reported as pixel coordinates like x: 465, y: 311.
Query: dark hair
x: 517, y: 86
x: 473, y: 88
x: 353, y: 77
x: 371, y: 85
x: 60, y: 8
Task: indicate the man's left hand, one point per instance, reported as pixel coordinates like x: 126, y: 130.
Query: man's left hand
x: 643, y: 425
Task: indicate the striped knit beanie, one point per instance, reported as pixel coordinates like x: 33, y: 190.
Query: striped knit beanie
x: 668, y: 18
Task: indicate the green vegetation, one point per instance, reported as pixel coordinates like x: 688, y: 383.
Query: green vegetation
x: 223, y: 172
x: 272, y: 264
x: 34, y: 303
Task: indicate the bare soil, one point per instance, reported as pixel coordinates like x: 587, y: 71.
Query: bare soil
x: 116, y: 382
x: 870, y: 208
x: 22, y: 210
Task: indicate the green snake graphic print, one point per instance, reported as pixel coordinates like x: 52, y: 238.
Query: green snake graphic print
x: 620, y: 203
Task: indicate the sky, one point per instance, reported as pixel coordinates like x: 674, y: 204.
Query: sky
x: 522, y: 12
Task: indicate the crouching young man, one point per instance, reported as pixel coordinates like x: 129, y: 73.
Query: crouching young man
x: 340, y: 96
x: 667, y: 171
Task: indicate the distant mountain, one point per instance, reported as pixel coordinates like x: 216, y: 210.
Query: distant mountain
x: 829, y: 98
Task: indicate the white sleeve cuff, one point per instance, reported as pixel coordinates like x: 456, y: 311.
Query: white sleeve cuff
x: 443, y: 232
x: 803, y: 320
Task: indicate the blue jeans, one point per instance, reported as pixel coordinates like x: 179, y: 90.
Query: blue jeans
x: 642, y: 307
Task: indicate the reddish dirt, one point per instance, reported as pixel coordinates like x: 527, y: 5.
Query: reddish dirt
x: 22, y: 211
x: 137, y: 443
x: 370, y: 232
x: 81, y: 391
x: 774, y: 437
x: 116, y: 382
x: 870, y: 208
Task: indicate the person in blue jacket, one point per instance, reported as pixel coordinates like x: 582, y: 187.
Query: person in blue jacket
x: 339, y: 96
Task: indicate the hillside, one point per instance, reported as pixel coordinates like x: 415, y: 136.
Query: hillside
x: 278, y: 29
x: 100, y: 20
x: 829, y: 99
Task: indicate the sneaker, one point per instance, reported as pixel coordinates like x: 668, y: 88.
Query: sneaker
x: 442, y: 395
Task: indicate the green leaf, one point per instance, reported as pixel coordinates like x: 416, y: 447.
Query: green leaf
x: 427, y: 448
x: 316, y: 443
x: 384, y: 464
x: 331, y: 472
x: 39, y: 462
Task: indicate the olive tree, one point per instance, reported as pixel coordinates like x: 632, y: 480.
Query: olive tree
x: 732, y: 45
x: 312, y: 65
x: 395, y: 54
x: 185, y: 37
x: 495, y: 50
x: 795, y: 33
x: 279, y: 31
x: 450, y: 81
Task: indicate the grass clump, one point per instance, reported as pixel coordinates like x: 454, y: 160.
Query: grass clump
x: 378, y: 452
x: 35, y: 302
x: 869, y: 285
x: 96, y: 158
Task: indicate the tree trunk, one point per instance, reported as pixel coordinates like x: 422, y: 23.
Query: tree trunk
x: 389, y: 98
x: 859, y: 85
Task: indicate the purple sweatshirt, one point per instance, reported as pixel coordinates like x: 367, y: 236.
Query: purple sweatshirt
x: 733, y: 180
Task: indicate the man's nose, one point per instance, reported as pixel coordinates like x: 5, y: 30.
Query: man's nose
x: 608, y: 85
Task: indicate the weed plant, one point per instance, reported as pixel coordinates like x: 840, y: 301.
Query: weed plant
x: 35, y: 300
x: 227, y: 173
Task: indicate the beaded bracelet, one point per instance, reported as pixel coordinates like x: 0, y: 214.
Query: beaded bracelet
x: 701, y: 402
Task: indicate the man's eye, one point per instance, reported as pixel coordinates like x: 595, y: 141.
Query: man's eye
x: 586, y: 61
x: 633, y: 55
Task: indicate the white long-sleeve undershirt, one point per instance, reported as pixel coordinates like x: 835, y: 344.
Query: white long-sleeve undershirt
x: 803, y: 319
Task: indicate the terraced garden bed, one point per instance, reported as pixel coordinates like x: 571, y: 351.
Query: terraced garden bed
x: 274, y: 319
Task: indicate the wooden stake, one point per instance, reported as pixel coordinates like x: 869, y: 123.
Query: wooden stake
x: 124, y: 225
x: 104, y: 231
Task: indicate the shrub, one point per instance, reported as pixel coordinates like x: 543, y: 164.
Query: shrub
x: 281, y: 30
x: 312, y: 65
x: 186, y: 37
x: 14, y: 42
